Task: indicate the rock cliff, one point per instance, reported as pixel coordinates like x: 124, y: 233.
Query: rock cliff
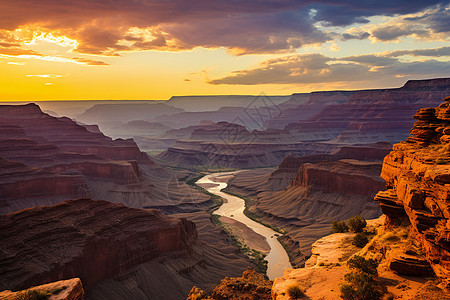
x: 304, y: 194
x: 47, y: 160
x: 251, y: 285
x: 417, y: 174
x: 327, y: 121
x: 70, y: 289
x: 92, y: 240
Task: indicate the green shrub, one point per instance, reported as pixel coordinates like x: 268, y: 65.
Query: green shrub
x: 339, y: 227
x: 361, y: 286
x: 295, y: 292
x: 360, y: 240
x: 357, y: 223
x: 32, y: 295
x: 368, y: 266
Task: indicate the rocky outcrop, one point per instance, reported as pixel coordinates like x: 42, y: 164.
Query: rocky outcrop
x: 344, y: 177
x: 21, y: 185
x: 417, y: 175
x: 70, y: 289
x: 92, y: 240
x: 251, y: 285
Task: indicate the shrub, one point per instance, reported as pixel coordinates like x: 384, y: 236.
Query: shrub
x: 360, y: 287
x: 295, y: 292
x: 357, y: 223
x: 339, y: 227
x: 32, y: 295
x: 368, y: 266
x: 360, y: 240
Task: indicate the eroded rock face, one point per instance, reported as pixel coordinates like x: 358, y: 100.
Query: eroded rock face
x: 89, y: 239
x: 70, y: 289
x: 305, y: 194
x: 46, y: 160
x: 251, y: 285
x: 358, y: 115
x: 417, y: 174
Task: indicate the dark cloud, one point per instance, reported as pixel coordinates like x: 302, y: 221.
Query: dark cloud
x: 317, y: 68
x: 438, y: 20
x: 432, y: 24
x: 359, y: 36
x: 342, y: 13
x: 394, y: 32
x: 252, y: 26
x: 436, y: 52
x: 370, y: 60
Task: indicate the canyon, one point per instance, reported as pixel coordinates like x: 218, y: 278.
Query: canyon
x: 322, y: 124
x: 409, y: 243
x: 84, y: 197
x: 38, y: 150
x: 305, y: 194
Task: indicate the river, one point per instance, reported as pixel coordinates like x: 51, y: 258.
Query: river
x: 277, y: 258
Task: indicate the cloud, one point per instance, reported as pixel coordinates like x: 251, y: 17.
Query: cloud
x: 436, y: 52
x: 111, y: 27
x: 433, y: 24
x: 45, y: 76
x: 430, y: 24
x: 89, y: 62
x: 318, y: 68
x: 356, y: 36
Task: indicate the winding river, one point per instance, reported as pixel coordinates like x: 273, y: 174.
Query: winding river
x: 233, y: 207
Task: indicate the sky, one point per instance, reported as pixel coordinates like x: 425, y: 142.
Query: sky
x: 151, y: 50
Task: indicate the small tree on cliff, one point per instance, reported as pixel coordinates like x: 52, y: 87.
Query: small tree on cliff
x: 339, y: 227
x: 360, y: 240
x: 360, y: 283
x: 357, y: 223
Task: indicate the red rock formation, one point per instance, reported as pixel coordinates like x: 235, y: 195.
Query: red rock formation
x: 92, y: 240
x: 363, y: 116
x: 57, y: 160
x: 21, y: 184
x: 70, y: 289
x: 417, y: 174
x: 251, y: 285
x: 304, y: 194
x: 342, y: 177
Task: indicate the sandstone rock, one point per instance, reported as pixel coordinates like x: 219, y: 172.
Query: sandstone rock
x: 71, y: 289
x: 57, y: 159
x: 92, y: 240
x: 418, y: 176
x: 251, y: 286
x: 410, y: 265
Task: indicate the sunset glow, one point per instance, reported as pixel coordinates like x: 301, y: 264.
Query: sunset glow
x: 153, y: 50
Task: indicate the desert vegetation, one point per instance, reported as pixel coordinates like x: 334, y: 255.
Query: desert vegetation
x: 360, y: 282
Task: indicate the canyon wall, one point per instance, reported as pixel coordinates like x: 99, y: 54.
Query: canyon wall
x: 46, y: 160
x: 327, y: 121
x: 84, y: 238
x: 417, y: 174
x: 305, y: 194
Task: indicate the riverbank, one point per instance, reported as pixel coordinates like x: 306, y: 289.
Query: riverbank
x: 233, y: 208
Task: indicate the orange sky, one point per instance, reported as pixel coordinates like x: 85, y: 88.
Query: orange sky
x: 57, y: 50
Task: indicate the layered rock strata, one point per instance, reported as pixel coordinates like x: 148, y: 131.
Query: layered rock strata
x: 46, y: 160
x: 92, y: 240
x: 417, y: 174
x: 70, y: 289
